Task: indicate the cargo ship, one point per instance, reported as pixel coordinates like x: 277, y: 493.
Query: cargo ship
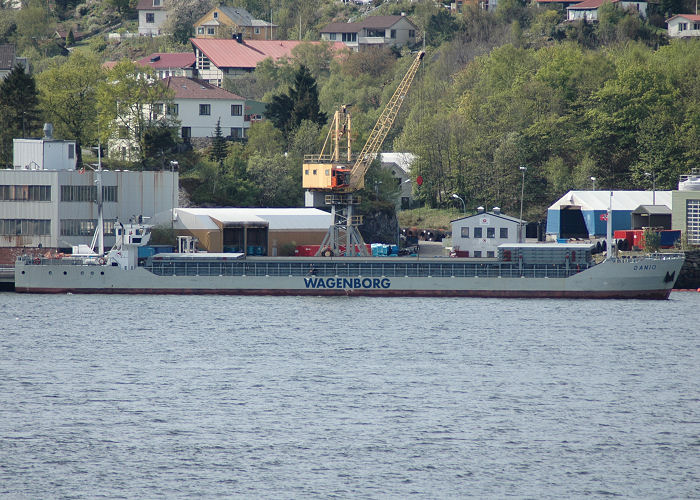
x: 520, y: 270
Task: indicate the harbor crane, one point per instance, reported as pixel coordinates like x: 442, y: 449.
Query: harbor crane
x: 339, y: 175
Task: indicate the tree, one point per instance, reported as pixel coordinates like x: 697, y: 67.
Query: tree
x: 70, y: 38
x: 68, y: 97
x: 287, y: 111
x: 181, y: 16
x: 130, y: 101
x: 19, y: 111
x: 122, y: 6
x: 218, y: 151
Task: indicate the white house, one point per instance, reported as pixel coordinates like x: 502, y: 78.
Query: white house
x: 588, y: 9
x: 152, y: 17
x: 170, y: 64
x: 683, y: 25
x: 199, y: 106
x: 480, y: 234
x: 53, y: 207
x: 399, y: 164
x: 373, y: 31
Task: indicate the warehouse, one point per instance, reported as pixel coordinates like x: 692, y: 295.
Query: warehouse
x: 583, y: 214
x: 255, y: 231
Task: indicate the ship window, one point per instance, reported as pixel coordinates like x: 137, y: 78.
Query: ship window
x: 504, y: 232
x: 477, y: 232
x: 490, y: 232
x: 465, y: 232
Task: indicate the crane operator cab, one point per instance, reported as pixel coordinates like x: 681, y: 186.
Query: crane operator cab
x: 340, y: 177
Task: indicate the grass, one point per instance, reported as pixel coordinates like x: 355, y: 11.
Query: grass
x: 434, y: 218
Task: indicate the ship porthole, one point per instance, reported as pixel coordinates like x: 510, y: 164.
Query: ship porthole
x: 50, y: 272
x: 22, y: 272
x: 82, y: 273
x: 102, y: 273
x: 65, y: 273
x: 92, y: 273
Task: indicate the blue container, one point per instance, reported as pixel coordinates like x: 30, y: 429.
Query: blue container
x: 669, y: 237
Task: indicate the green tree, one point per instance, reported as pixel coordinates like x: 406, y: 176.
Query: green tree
x: 130, y: 101
x: 70, y: 38
x: 265, y: 139
x: 68, y: 97
x: 218, y: 150
x: 287, y: 111
x: 19, y: 111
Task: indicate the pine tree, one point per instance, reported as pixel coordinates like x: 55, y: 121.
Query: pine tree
x: 287, y: 111
x: 219, y: 150
x: 70, y: 39
x: 19, y: 112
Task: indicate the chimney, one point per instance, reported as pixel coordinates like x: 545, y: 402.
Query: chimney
x: 480, y: 210
x: 497, y: 210
x: 239, y: 37
x: 48, y: 131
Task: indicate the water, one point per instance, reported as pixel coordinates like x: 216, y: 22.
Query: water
x: 181, y: 397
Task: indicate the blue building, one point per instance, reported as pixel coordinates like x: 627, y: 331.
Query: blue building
x: 582, y: 214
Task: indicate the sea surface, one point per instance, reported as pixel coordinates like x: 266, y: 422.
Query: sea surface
x: 268, y: 397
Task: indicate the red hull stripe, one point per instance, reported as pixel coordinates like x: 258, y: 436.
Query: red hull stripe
x: 568, y: 294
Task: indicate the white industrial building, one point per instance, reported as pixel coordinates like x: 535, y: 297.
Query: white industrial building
x: 48, y: 204
x: 255, y: 231
x: 479, y: 235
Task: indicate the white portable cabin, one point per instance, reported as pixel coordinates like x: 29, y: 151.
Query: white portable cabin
x: 46, y: 153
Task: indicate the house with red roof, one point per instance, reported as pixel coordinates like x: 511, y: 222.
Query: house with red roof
x: 197, y: 106
x: 373, y: 31
x: 588, y: 9
x: 217, y: 59
x: 173, y: 64
x: 683, y: 25
x: 152, y: 17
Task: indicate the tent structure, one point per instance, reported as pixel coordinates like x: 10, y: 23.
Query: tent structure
x: 583, y: 214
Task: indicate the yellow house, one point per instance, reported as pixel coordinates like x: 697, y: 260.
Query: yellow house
x: 230, y: 22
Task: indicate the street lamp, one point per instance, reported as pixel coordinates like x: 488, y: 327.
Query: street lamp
x: 173, y: 167
x: 593, y: 180
x: 522, y: 195
x: 653, y: 186
x: 464, y: 206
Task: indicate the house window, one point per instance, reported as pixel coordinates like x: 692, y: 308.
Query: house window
x: 682, y: 26
x: 71, y: 151
x: 157, y: 109
x: 150, y: 17
x: 393, y: 34
x: 465, y: 232
x: 477, y: 232
x: 477, y: 253
x: 216, y: 15
x: 22, y: 227
x: 200, y: 30
x: 696, y: 26
x: 411, y: 33
x: 210, y: 31
x: 256, y: 31
x: 349, y: 37
x: 205, y: 109
x: 692, y: 220
x: 504, y: 232
x: 331, y: 36
x: 186, y: 133
x: 490, y: 232
x: 236, y: 133
x: 79, y: 193
x: 173, y: 109
x: 236, y: 109
x: 156, y: 3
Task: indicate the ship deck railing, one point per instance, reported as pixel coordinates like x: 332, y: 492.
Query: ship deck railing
x: 353, y: 270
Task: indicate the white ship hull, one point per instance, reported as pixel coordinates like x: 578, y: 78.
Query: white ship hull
x: 646, y: 278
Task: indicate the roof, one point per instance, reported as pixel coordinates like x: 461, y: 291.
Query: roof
x: 382, y: 21
x: 191, y: 88
x: 279, y: 219
x: 689, y: 17
x: 621, y: 200
x: 373, y: 22
x: 229, y: 53
x: 161, y: 60
x: 590, y: 4
x: 7, y: 56
x: 500, y: 216
x: 342, y: 28
x: 652, y: 210
x: 402, y: 160
x: 148, y: 5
